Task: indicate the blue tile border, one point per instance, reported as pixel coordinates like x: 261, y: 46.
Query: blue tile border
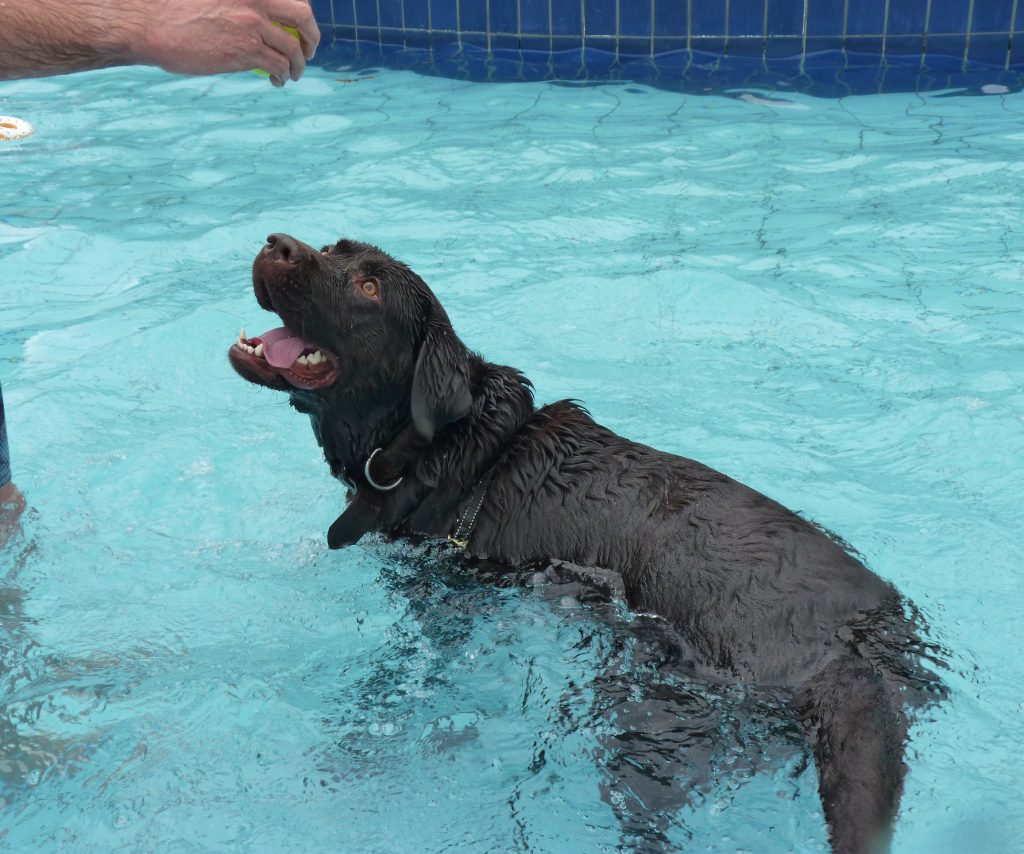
x: 819, y: 46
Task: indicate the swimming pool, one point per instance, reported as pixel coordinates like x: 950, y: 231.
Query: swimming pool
x: 820, y: 297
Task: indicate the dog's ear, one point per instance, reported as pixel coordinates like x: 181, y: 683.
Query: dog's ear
x: 440, y: 382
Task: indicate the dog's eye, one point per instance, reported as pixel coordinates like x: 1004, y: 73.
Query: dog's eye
x: 370, y: 287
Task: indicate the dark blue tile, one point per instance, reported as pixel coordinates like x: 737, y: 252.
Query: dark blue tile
x: 390, y: 35
x: 670, y: 16
x: 898, y: 78
x: 825, y: 17
x: 707, y: 45
x: 366, y: 14
x: 907, y: 17
x: 535, y: 18
x: 823, y: 44
x: 477, y: 39
x: 634, y: 46
x: 568, y: 66
x: 672, y: 65
x: 778, y: 47
x: 416, y: 15
x: 442, y: 14
x: 531, y: 42
x: 946, y: 45
x: 871, y: 45
x: 637, y: 68
x: 861, y: 78
x: 503, y: 16
x: 1017, y: 50
x: 566, y: 18
x: 599, y: 17
x: 505, y: 68
x: 753, y: 46
x: 418, y: 37
x: 670, y: 44
x: 949, y: 16
x: 390, y: 13
x: 343, y: 14
x: 990, y: 49
x: 708, y: 18
x: 471, y: 64
x: 785, y: 18
x: 600, y: 61
x: 635, y: 18
x: 322, y: 11
x: 473, y: 15
x: 904, y: 45
x: 992, y: 16
x: 746, y: 18
x: 865, y: 18
x: 605, y: 43
x: 504, y: 41
x: 561, y: 43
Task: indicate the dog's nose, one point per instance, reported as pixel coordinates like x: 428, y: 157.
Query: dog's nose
x: 285, y: 248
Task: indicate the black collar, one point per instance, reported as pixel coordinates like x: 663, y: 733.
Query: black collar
x: 467, y: 520
x: 381, y: 472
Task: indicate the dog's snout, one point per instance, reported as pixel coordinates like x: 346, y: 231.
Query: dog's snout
x: 283, y: 247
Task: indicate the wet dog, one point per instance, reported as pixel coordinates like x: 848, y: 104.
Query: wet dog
x: 434, y: 441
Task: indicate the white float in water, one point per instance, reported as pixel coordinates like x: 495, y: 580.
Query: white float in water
x: 12, y: 128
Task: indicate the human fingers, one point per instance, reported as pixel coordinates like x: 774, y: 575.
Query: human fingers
x: 298, y: 14
x: 286, y: 44
x: 275, y: 63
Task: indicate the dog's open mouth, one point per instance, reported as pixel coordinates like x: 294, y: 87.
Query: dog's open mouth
x: 281, y: 353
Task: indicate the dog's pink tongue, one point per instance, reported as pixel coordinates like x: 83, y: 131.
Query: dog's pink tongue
x: 281, y: 347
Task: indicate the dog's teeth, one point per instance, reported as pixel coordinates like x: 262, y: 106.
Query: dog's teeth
x: 316, y: 358
x: 241, y: 335
x: 259, y: 350
x: 302, y: 360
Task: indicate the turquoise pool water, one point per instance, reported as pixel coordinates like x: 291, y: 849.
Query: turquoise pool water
x: 822, y: 298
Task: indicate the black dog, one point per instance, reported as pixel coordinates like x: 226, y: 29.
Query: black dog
x: 434, y: 441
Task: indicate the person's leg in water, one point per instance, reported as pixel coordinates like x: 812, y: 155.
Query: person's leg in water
x: 12, y: 502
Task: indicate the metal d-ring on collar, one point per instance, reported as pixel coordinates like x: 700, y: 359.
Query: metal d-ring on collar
x: 369, y: 477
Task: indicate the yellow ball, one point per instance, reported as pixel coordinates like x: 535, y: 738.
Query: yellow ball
x: 286, y: 28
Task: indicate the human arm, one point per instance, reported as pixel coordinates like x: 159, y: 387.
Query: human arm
x: 43, y: 37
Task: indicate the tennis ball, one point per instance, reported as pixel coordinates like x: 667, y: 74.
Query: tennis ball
x: 286, y: 28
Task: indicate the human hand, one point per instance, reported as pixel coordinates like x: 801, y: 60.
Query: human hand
x: 12, y: 505
x: 211, y: 36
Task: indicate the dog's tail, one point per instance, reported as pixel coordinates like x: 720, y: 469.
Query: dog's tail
x: 854, y: 720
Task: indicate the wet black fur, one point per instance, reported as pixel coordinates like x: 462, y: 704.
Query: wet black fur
x: 753, y: 592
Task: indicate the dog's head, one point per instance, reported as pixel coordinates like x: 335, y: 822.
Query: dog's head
x: 363, y: 340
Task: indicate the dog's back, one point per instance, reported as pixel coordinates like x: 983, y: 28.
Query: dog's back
x: 753, y: 592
